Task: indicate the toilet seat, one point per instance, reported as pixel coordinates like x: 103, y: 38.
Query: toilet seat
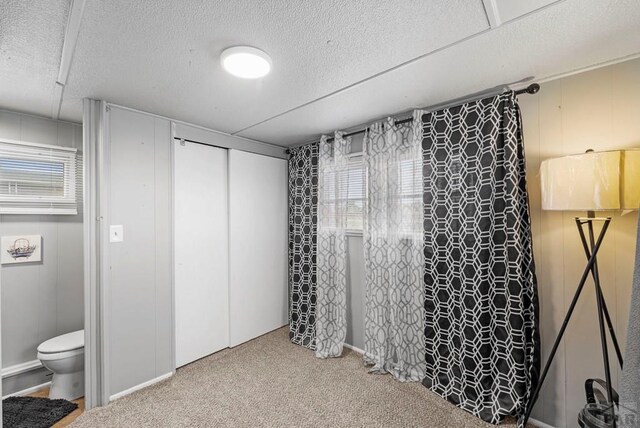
x: 64, y: 346
x: 59, y: 355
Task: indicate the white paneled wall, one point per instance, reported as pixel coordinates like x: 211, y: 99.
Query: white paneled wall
x: 599, y: 109
x: 40, y: 300
x: 139, y: 275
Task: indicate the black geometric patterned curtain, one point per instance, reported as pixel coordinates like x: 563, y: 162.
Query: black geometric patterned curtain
x: 303, y: 233
x: 482, y: 340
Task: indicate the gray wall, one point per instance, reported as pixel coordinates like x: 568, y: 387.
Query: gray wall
x: 140, y: 323
x: 355, y: 292
x: 356, y: 278
x: 598, y: 109
x: 40, y: 300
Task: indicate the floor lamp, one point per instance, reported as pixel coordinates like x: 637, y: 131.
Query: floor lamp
x: 594, y: 181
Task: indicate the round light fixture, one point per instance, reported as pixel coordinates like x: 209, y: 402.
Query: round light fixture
x: 246, y: 62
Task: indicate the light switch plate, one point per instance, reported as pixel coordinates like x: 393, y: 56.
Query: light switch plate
x: 116, y: 233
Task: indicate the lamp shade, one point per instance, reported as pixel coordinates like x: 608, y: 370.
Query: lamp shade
x: 594, y: 181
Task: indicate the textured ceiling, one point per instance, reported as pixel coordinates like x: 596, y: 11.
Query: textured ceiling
x: 337, y: 63
x: 164, y: 56
x: 31, y: 35
x: 541, y: 45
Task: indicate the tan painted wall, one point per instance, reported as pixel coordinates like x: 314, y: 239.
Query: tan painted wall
x: 599, y: 109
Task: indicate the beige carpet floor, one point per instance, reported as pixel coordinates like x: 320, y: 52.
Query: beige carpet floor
x: 269, y: 382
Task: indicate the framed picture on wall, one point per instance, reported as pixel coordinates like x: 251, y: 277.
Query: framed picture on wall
x: 21, y: 249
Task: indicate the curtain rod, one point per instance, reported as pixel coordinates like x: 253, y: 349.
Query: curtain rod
x: 531, y: 89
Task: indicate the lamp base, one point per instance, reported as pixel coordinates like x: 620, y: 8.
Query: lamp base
x: 591, y: 249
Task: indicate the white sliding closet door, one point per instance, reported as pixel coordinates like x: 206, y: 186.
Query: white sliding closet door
x: 258, y: 222
x: 201, y: 251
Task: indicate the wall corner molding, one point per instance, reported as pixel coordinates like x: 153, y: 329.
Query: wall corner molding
x: 93, y: 127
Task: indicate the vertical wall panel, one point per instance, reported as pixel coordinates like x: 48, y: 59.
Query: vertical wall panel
x: 258, y: 245
x: 547, y: 230
x: 70, y: 293
x: 140, y: 323
x: 164, y: 247
x: 132, y: 324
x: 47, y: 294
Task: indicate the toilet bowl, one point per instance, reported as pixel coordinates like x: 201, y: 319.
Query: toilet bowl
x: 64, y: 356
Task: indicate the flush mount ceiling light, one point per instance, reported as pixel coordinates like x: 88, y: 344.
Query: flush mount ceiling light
x: 246, y: 62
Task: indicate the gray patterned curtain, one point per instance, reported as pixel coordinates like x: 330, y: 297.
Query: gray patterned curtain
x: 393, y: 250
x: 333, y: 188
x: 482, y: 341
x: 303, y: 224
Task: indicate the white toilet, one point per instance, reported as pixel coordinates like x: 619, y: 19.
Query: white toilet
x: 64, y: 356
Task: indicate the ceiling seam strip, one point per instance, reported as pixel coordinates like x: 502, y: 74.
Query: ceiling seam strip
x: 404, y: 64
x: 71, y: 33
x: 492, y: 12
x: 56, y: 101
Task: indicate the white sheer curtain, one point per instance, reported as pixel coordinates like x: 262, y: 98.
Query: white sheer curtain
x: 333, y: 190
x: 393, y: 250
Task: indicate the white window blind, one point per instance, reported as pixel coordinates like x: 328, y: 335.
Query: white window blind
x: 410, y: 195
x: 37, y: 178
x: 355, y: 194
x: 351, y: 184
x: 344, y: 193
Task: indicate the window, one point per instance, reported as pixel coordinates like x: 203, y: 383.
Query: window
x: 410, y: 195
x: 356, y: 194
x: 37, y: 179
x: 351, y: 183
x: 344, y: 192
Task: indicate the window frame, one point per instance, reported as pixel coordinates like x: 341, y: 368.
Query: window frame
x: 38, y: 205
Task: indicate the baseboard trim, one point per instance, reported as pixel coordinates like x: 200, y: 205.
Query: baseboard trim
x: 141, y: 386
x: 540, y: 424
x: 353, y: 348
x: 28, y: 390
x: 21, y: 368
